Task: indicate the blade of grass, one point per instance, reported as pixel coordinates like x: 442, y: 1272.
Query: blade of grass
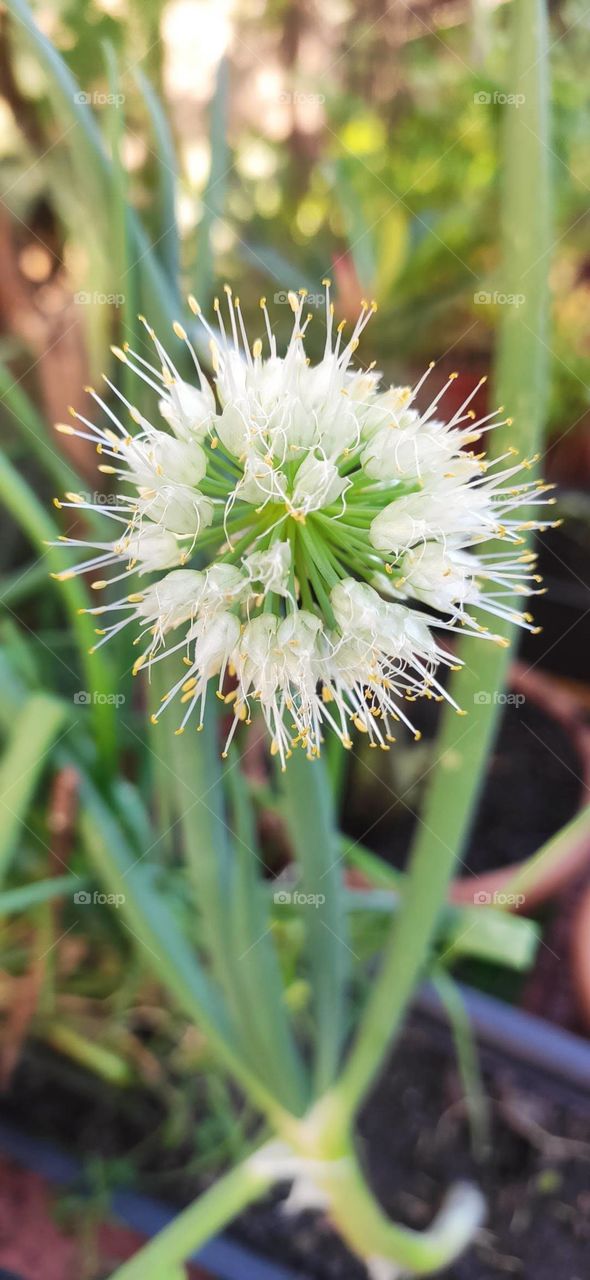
x: 146, y: 915
x: 167, y: 245
x: 35, y: 432
x: 36, y: 522
x: 87, y: 1053
x: 468, y: 1062
x: 23, y: 761
x: 559, y: 849
x: 25, y: 896
x: 210, y: 855
x: 214, y: 193
x: 256, y: 971
x: 310, y: 819
x: 122, y: 258
x: 161, y: 778
x: 19, y: 584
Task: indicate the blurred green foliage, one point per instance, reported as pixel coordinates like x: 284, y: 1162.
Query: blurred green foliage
x: 363, y: 150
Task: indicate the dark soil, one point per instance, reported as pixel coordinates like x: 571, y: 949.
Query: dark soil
x: 415, y: 1142
x: 533, y: 787
x: 563, y: 644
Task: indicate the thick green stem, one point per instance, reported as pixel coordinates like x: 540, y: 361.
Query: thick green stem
x: 521, y: 385
x: 371, y: 1234
x: 338, y: 1185
x: 192, y: 1228
x: 463, y: 746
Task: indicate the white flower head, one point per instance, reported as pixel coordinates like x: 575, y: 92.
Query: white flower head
x: 271, y: 509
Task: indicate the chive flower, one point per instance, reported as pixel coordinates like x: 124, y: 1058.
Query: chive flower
x: 299, y: 536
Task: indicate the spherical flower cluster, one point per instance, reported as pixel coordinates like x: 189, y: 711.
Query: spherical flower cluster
x: 287, y: 526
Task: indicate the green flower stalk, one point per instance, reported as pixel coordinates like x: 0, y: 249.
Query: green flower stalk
x: 343, y: 527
